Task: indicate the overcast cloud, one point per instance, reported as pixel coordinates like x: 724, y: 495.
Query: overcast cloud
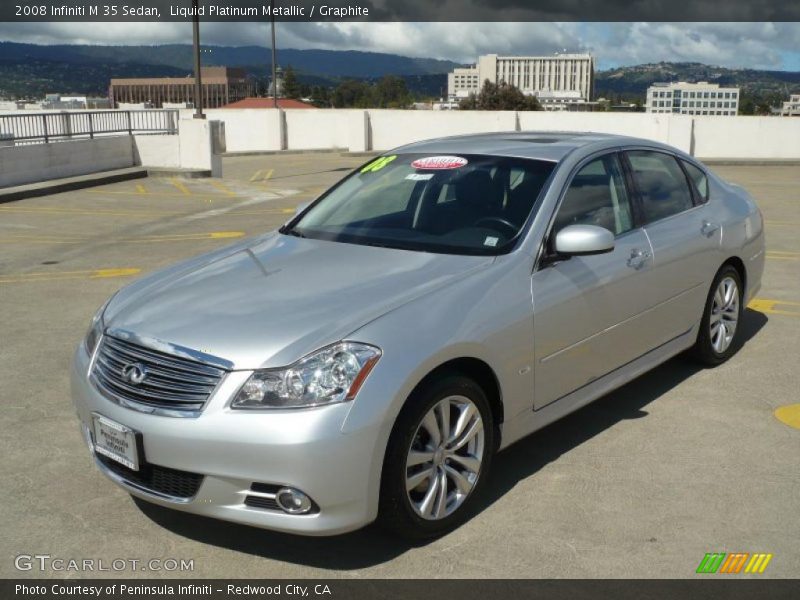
x: 751, y: 45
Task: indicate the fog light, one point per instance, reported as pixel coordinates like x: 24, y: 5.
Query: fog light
x: 293, y: 501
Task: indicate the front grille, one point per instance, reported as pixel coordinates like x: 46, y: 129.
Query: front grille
x: 172, y: 382
x: 162, y: 480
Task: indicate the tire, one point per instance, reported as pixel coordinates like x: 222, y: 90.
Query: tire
x: 424, y: 512
x: 715, y: 342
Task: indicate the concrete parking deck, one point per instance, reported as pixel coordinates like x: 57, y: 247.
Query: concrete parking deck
x: 643, y: 483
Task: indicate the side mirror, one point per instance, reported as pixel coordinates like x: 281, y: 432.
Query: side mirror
x: 301, y: 207
x: 583, y: 240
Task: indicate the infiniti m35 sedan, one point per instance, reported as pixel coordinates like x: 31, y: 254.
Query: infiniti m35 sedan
x: 367, y: 360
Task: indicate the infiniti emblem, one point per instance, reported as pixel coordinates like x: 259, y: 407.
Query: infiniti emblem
x: 134, y: 373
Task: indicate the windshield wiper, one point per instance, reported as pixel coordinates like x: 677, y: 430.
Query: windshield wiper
x: 293, y: 232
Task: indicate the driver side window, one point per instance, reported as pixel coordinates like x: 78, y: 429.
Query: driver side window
x: 597, y: 196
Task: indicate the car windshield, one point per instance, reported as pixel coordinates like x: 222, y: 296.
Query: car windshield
x: 462, y: 204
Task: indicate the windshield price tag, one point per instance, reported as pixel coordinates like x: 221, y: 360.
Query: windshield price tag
x: 437, y: 163
x: 378, y: 164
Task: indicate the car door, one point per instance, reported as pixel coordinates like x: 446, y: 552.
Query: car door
x: 683, y: 233
x: 586, y: 308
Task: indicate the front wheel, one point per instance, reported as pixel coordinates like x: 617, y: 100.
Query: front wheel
x: 437, y: 459
x: 719, y: 328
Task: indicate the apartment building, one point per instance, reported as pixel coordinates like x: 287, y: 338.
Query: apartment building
x: 558, y: 81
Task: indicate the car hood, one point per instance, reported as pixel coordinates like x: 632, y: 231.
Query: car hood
x: 272, y: 301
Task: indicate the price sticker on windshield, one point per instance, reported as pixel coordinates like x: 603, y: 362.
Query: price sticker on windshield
x: 378, y: 164
x: 439, y: 163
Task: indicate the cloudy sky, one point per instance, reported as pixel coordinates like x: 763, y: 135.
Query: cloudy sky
x: 755, y: 45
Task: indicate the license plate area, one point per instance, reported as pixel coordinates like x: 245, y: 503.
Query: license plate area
x: 117, y: 442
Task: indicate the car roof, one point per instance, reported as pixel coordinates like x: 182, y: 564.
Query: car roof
x: 542, y: 145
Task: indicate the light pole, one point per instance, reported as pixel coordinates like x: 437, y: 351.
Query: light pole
x: 274, y: 59
x: 198, y: 84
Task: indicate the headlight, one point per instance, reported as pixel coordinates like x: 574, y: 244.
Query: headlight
x: 333, y: 374
x: 95, y: 329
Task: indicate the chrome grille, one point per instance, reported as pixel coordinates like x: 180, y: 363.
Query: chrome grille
x: 172, y: 385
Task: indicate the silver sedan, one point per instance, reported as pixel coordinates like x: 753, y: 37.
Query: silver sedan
x: 368, y: 360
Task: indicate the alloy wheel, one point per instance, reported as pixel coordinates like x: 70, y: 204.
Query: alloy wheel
x: 444, y: 460
x: 724, y: 315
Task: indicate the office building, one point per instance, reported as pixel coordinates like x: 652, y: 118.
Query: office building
x: 792, y: 107
x: 221, y: 86
x: 700, y: 98
x: 558, y: 81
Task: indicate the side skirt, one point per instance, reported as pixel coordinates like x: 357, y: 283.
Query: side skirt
x: 526, y: 423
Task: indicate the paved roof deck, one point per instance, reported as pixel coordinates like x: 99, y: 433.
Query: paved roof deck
x: 643, y: 483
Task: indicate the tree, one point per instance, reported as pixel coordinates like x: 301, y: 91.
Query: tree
x: 352, y: 93
x: 321, y: 96
x: 391, y: 92
x: 499, y: 96
x: 291, y: 87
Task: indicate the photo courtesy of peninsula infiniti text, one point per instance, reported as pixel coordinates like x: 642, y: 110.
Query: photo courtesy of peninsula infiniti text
x: 367, y: 360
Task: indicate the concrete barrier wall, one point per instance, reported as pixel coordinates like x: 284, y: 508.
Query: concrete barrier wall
x: 41, y: 162
x: 157, y: 151
x: 248, y: 130
x: 195, y: 146
x: 755, y: 138
x: 390, y: 128
x: 260, y: 130
x: 748, y: 138
x: 321, y: 129
x: 675, y: 130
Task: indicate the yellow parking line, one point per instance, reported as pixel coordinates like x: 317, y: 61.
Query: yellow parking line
x: 39, y: 241
x: 86, y: 211
x: 99, y: 212
x: 181, y: 186
x: 165, y: 194
x: 768, y: 306
x: 178, y: 237
x: 782, y: 255
x: 789, y: 415
x: 283, y: 211
x: 268, y: 175
x: 257, y: 175
x: 140, y: 189
x: 214, y: 235
x: 55, y: 275
x: 221, y: 188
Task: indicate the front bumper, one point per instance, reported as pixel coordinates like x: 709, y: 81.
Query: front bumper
x: 304, y: 449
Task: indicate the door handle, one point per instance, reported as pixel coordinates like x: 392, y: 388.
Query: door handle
x: 708, y: 229
x: 638, y: 258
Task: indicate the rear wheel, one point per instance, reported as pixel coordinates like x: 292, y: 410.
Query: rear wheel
x: 719, y: 328
x: 438, y: 458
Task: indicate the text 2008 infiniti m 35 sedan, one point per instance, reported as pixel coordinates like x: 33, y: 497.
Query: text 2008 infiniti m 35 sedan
x: 368, y: 359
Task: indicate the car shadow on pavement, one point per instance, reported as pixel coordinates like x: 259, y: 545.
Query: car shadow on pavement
x: 370, y: 546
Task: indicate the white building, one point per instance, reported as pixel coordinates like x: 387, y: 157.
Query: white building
x: 558, y: 80
x: 792, y: 107
x: 700, y: 98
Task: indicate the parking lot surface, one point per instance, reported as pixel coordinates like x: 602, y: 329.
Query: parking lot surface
x: 642, y: 483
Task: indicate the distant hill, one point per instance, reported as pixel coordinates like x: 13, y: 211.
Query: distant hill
x: 632, y: 82
x: 29, y: 70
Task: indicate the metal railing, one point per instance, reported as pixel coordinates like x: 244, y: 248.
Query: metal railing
x: 47, y: 127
